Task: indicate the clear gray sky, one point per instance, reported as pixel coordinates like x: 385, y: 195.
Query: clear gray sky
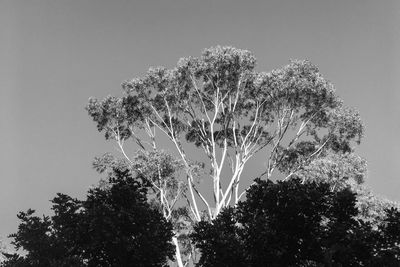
x: 55, y: 54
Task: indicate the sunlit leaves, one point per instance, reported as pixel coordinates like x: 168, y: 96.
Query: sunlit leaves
x: 116, y: 116
x: 160, y: 168
x: 109, y: 163
x: 372, y: 207
x: 340, y: 170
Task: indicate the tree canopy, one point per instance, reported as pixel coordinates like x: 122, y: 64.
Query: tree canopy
x: 218, y: 105
x: 222, y: 105
x: 291, y: 223
x: 114, y: 226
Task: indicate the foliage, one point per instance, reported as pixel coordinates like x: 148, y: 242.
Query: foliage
x: 349, y: 170
x: 37, y: 236
x: 290, y: 223
x: 372, y: 207
x: 119, y: 228
x: 114, y: 226
x: 339, y: 170
x: 163, y: 174
x: 218, y: 104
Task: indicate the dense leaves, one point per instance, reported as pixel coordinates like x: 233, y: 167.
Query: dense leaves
x: 295, y: 224
x: 120, y: 229
x: 340, y: 170
x: 43, y: 244
x: 114, y: 226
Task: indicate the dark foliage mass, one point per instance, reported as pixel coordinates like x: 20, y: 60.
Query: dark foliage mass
x: 114, y: 226
x: 294, y: 224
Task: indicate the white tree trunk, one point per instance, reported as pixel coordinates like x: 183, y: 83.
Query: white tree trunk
x: 177, y: 252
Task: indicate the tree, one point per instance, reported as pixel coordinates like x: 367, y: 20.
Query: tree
x: 220, y: 105
x: 114, y: 226
x: 389, y: 245
x: 292, y: 223
x: 163, y: 173
x: 373, y: 208
x: 119, y: 228
x: 42, y: 244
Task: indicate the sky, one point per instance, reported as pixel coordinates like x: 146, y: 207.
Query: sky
x: 55, y: 54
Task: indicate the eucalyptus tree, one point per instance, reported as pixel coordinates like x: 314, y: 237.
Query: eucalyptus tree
x: 220, y: 106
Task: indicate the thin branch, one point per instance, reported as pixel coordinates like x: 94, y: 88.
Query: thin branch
x: 251, y: 128
x: 120, y: 144
x: 280, y: 137
x: 201, y: 97
x: 196, y: 212
x: 204, y: 200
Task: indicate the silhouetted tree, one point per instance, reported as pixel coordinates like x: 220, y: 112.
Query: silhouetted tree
x: 290, y: 223
x: 118, y: 227
x: 114, y: 226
